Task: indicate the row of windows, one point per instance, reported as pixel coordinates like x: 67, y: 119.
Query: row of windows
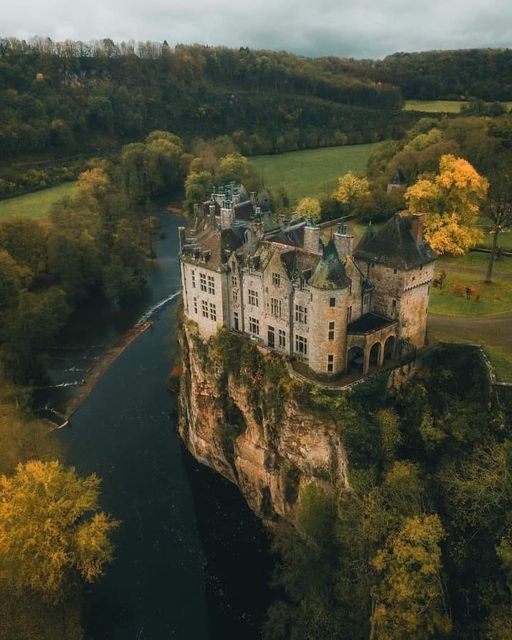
x: 208, y: 309
x: 206, y: 283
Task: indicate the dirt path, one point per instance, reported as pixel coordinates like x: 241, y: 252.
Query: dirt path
x: 496, y: 331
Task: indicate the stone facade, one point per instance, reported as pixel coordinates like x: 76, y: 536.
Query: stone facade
x: 329, y: 306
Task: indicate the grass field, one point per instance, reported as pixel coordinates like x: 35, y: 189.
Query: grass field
x: 440, y: 106
x: 489, y: 298
x: 35, y: 205
x: 312, y: 172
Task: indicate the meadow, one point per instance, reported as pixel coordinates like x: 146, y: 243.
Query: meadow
x: 312, y: 172
x: 35, y: 205
x: 440, y: 106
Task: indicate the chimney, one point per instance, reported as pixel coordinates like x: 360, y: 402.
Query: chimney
x: 417, y: 227
x: 312, y: 238
x: 343, y: 241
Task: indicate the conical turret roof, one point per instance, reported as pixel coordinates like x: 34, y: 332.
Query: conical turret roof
x: 329, y: 272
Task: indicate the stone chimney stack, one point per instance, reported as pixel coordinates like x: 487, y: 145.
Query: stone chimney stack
x: 312, y: 238
x: 343, y: 241
x: 417, y: 227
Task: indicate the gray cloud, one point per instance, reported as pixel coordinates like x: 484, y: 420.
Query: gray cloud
x: 364, y: 28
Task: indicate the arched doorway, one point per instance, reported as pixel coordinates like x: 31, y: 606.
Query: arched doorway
x: 355, y: 360
x: 389, y: 348
x: 374, y: 354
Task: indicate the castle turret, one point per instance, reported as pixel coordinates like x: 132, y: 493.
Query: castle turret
x: 329, y: 287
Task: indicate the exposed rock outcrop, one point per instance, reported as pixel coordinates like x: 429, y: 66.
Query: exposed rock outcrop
x: 240, y: 414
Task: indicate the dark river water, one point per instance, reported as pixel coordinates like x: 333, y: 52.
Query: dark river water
x: 192, y: 561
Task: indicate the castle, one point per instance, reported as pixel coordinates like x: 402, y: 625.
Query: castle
x: 332, y: 306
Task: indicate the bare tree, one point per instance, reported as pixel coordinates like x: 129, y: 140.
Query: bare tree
x: 498, y: 210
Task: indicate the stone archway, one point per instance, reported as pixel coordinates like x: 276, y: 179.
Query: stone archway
x: 375, y: 354
x: 355, y: 360
x: 389, y: 348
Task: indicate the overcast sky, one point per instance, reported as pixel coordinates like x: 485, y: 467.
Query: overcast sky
x: 356, y: 28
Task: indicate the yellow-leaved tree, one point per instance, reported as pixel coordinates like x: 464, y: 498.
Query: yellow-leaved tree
x: 451, y: 201
x: 351, y: 188
x: 51, y: 528
x: 309, y: 208
x: 408, y: 601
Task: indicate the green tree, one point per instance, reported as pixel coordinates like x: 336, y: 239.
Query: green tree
x: 51, y: 528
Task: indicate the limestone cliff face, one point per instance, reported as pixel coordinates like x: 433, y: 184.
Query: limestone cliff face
x: 261, y: 440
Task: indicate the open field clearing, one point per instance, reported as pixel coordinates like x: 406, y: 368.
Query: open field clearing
x: 35, y: 205
x: 312, y: 172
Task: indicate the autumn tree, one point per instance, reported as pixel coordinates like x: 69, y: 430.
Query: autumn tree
x: 50, y: 528
x: 409, y: 597
x: 309, y: 208
x: 498, y: 210
x: 351, y: 188
x: 451, y: 201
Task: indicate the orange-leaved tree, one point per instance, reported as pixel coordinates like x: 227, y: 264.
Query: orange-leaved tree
x: 451, y: 200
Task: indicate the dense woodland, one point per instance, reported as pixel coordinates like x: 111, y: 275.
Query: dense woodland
x: 420, y: 545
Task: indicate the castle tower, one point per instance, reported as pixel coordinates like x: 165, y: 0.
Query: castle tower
x: 329, y: 287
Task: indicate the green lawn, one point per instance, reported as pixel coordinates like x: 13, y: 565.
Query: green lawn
x: 489, y: 299
x: 440, y: 106
x: 312, y: 172
x: 35, y: 205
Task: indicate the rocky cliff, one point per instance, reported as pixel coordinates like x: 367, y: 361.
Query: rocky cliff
x: 241, y: 414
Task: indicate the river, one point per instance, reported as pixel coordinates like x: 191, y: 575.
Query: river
x: 192, y: 561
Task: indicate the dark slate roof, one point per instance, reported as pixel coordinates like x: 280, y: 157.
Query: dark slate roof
x: 215, y: 245
x: 394, y: 246
x: 296, y: 262
x: 292, y: 235
x: 368, y: 323
x: 244, y: 210
x: 330, y: 272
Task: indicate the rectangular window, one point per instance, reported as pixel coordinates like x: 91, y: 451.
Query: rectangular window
x: 202, y: 281
x: 301, y: 345
x: 254, y: 326
x: 394, y: 303
x: 193, y: 278
x: 281, y: 335
x: 253, y: 297
x: 211, y: 285
x: 235, y: 295
x: 271, y: 337
x: 349, y: 315
x: 330, y: 363
x: 204, y: 308
x: 366, y: 299
x: 234, y: 281
x: 331, y: 331
x: 301, y: 314
x: 275, y: 307
x: 213, y: 311
x: 237, y: 321
x: 195, y: 306
x: 276, y: 279
x: 332, y: 302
